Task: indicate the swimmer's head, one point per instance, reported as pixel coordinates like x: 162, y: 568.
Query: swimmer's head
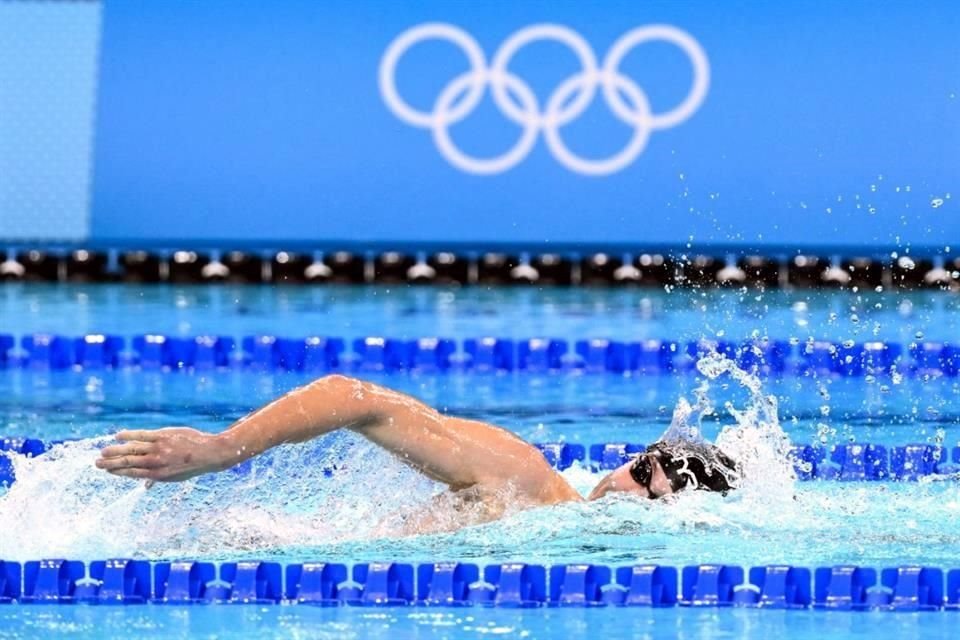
x: 664, y: 469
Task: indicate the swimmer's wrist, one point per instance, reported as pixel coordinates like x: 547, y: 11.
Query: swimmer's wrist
x: 225, y: 452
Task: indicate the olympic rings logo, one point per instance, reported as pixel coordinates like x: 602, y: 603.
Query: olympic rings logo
x: 516, y: 100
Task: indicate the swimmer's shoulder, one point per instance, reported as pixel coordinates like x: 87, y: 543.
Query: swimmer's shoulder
x: 558, y: 490
x: 541, y: 483
x: 512, y: 461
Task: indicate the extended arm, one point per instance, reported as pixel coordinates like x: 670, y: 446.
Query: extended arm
x: 461, y: 453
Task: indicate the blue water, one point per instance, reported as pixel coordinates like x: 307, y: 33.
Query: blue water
x: 226, y: 622
x: 410, y: 312
x: 288, y: 510
x: 545, y: 408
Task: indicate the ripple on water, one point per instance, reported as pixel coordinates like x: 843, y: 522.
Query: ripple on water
x: 338, y: 497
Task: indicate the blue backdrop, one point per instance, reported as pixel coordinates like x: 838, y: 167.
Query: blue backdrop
x: 823, y: 123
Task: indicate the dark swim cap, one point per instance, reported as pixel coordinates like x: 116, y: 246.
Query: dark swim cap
x: 688, y: 464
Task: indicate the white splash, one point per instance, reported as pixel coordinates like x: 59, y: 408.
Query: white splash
x: 340, y: 492
x: 756, y: 440
x: 61, y: 505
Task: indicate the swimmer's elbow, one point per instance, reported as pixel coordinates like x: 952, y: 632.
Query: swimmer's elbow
x: 356, y: 403
x: 339, y: 391
x: 334, y: 383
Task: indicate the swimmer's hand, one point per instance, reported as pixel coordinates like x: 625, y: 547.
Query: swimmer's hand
x: 166, y: 455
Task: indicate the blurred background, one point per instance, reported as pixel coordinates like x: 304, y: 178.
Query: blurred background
x: 242, y: 124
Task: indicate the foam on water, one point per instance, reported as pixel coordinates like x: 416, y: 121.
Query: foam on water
x: 62, y: 505
x: 289, y: 508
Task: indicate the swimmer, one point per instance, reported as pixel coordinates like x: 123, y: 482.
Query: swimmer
x: 479, y: 461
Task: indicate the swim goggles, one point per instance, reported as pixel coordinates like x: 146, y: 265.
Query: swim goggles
x: 642, y: 471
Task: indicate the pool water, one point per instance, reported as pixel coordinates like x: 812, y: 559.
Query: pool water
x: 244, y: 621
x: 288, y: 509
x: 518, y: 312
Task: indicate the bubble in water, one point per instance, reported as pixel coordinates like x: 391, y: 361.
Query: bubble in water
x: 825, y: 432
x: 936, y: 203
x: 939, y: 437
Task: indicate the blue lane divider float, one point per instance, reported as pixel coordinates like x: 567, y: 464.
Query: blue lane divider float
x: 382, y: 583
x: 29, y: 447
x: 109, y: 582
x: 119, y: 581
x: 458, y: 584
x: 156, y: 352
x: 775, y: 587
x: 851, y: 462
x: 10, y: 581
x: 52, y: 581
x: 446, y: 583
x: 6, y: 350
x: 610, y: 455
x: 643, y: 586
x: 486, y: 354
x: 314, y: 582
x: 709, y: 585
x: 860, y: 462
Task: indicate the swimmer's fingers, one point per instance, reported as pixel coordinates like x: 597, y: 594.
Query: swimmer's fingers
x: 117, y: 463
x: 140, y: 435
x: 128, y: 449
x: 133, y: 473
x: 114, y: 464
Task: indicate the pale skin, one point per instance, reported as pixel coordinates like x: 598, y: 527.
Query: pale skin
x: 466, y: 455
